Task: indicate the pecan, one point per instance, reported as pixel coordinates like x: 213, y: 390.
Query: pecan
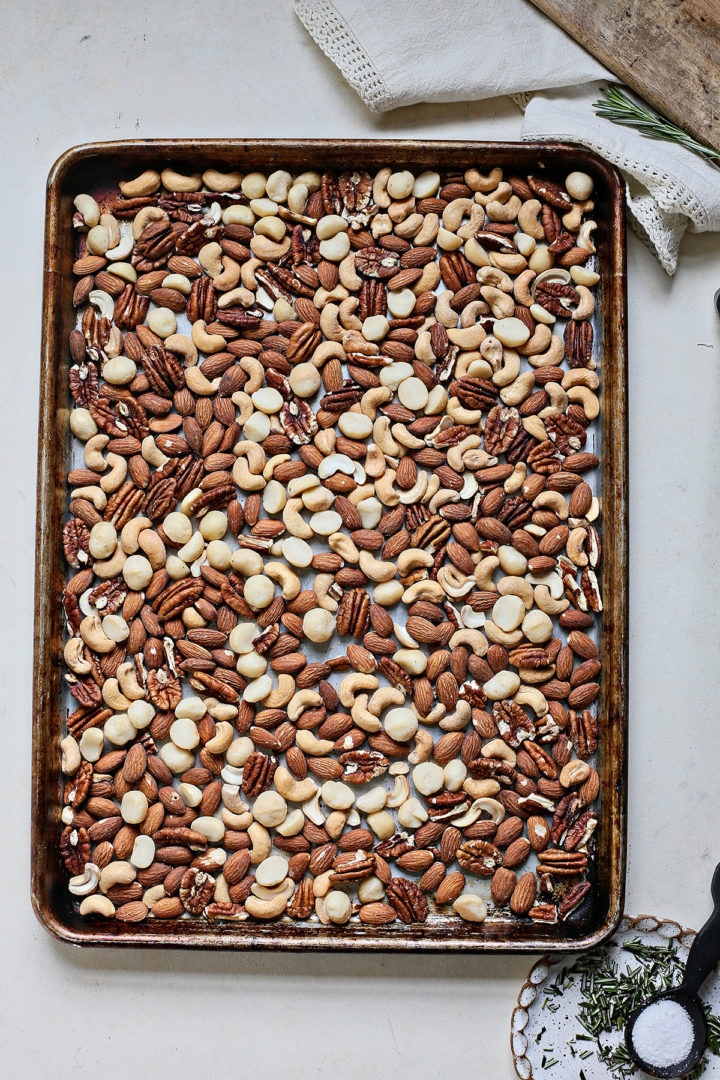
x: 474, y: 393
x: 578, y: 343
x: 572, y: 899
x: 302, y: 904
x: 363, y: 765
x: 163, y: 688
x: 75, y: 849
x: 501, y: 427
x: 479, y: 857
x: 196, y: 890
x: 372, y: 262
x: 258, y: 772
x: 550, y: 192
x: 353, y: 614
x: 513, y: 723
x: 76, y: 543
x: 566, y: 433
x: 298, y: 421
x: 407, y: 900
x: 84, y: 383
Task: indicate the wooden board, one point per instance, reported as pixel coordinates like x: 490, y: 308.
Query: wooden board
x: 665, y: 50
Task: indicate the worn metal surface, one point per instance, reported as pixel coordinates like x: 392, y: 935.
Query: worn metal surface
x: 94, y: 166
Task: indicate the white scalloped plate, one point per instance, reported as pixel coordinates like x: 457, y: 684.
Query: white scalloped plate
x: 529, y: 1017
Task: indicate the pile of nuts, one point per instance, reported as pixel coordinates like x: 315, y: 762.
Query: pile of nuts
x: 333, y: 548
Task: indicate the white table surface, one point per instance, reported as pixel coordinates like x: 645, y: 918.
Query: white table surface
x: 77, y: 72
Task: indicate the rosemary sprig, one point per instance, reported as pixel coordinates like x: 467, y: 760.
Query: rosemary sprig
x: 615, y: 105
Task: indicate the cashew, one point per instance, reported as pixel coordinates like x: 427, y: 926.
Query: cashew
x: 473, y: 638
x: 456, y: 721
x: 424, y: 746
x: 587, y: 303
x: 528, y: 219
x: 285, y: 577
x: 518, y: 390
x: 352, y: 684
x: 584, y: 236
x: 222, y: 182
x: 417, y: 492
x: 362, y: 717
x: 75, y: 658
x: 552, y: 357
x: 575, y: 547
x: 521, y: 288
x: 113, y: 697
x: 116, y: 873
x: 261, y: 843
x: 71, y: 757
x: 508, y: 211
x: 510, y: 368
x: 266, y: 909
x: 399, y: 794
x: 580, y: 377
x: 586, y: 398
x: 385, y: 490
x: 372, y: 400
x: 424, y: 590
x: 517, y: 586
x: 384, y: 697
x: 302, y: 700
x: 555, y: 501
x: 97, y: 905
x: 484, y: 572
x: 298, y: 791
x: 282, y: 694
x: 558, y: 399
x: 145, y: 184
x: 92, y: 633
x: 546, y: 603
x: 540, y: 340
x: 116, y: 477
x: 144, y: 217
x: 85, y: 883
x: 127, y: 678
x: 93, y: 452
x: 207, y: 343
x: 532, y: 697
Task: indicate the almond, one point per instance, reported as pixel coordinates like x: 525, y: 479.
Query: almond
x: 167, y: 907
x: 508, y: 830
x: 502, y: 885
x: 415, y: 861
x: 432, y: 877
x: 517, y: 853
x: 450, y: 888
x: 524, y: 893
x: 135, y: 911
x: 377, y: 914
x: 135, y: 763
x: 538, y: 832
x: 448, y: 747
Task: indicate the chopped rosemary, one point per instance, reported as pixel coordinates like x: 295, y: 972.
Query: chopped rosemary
x: 610, y: 992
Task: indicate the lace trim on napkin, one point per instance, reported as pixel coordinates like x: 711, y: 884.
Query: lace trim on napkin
x: 331, y: 32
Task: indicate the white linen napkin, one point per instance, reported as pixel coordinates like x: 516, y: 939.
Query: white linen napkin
x: 395, y: 55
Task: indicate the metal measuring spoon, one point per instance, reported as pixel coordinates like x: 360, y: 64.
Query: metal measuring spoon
x: 702, y: 958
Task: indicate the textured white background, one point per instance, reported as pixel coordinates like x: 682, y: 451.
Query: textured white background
x: 84, y: 71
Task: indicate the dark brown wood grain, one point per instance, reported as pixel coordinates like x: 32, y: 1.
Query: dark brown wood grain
x: 97, y: 167
x: 666, y: 50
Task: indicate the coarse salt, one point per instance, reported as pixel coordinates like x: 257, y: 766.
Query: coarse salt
x: 663, y: 1033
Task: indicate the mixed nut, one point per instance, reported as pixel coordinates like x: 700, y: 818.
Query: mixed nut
x: 334, y: 553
